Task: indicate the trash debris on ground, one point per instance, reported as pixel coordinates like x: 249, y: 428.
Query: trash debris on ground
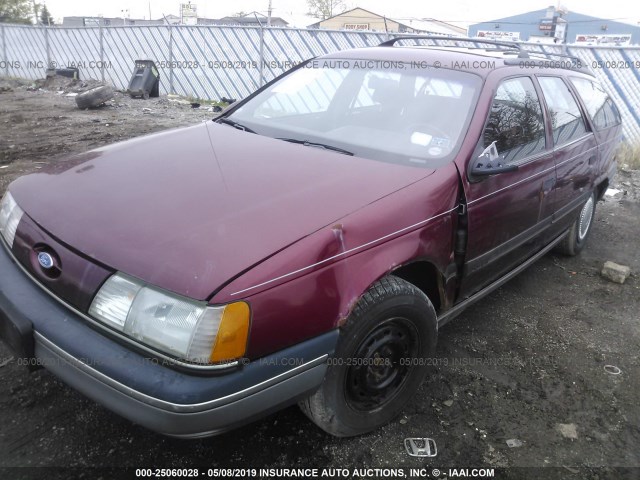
x: 612, y: 192
x: 70, y: 72
x: 612, y: 369
x: 615, y: 272
x: 6, y: 362
x: 94, y: 97
x: 572, y: 470
x: 568, y: 430
x: 178, y: 99
x: 447, y: 403
x: 514, y: 443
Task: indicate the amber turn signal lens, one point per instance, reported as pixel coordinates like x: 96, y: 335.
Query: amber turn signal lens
x: 231, y: 341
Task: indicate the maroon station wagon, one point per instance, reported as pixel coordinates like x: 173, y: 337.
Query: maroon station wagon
x: 306, y: 245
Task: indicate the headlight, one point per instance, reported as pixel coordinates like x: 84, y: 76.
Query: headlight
x: 10, y: 215
x: 179, y: 326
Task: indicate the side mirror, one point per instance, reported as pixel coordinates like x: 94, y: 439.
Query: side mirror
x: 489, y: 162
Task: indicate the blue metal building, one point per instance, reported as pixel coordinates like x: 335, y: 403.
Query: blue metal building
x: 543, y: 25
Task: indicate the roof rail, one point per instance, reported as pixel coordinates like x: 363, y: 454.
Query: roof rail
x: 532, y: 56
x: 508, y: 45
x: 544, y: 53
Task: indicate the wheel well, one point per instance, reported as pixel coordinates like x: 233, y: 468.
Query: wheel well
x: 423, y: 275
x: 600, y: 189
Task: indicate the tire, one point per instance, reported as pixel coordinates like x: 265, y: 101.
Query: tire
x: 575, y: 240
x: 94, y: 97
x: 394, y: 320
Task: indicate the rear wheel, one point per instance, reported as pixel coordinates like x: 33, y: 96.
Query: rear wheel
x: 379, y: 361
x: 577, y: 236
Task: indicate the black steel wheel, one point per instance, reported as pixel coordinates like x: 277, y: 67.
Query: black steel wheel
x: 372, y: 383
x: 379, y: 362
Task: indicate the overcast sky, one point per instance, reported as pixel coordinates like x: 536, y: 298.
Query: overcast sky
x: 460, y: 12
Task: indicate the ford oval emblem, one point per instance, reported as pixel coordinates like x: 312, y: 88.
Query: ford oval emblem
x: 45, y: 260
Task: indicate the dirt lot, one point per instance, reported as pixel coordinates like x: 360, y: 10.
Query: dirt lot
x: 527, y: 363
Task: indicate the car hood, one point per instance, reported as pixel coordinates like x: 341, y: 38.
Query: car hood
x: 189, y: 209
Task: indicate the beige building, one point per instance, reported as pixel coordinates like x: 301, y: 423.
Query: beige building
x: 364, y: 20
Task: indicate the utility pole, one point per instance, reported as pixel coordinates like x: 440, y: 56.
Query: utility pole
x: 269, y: 10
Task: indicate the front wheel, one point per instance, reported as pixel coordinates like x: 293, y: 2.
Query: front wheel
x: 577, y: 236
x: 380, y: 360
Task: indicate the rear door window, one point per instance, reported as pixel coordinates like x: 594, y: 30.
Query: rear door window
x: 566, y: 119
x: 601, y: 108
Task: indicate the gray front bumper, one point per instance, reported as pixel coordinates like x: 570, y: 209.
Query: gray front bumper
x: 182, y: 420
x: 172, y: 401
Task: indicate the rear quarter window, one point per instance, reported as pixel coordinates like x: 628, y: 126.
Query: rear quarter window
x: 600, y: 106
x: 566, y: 119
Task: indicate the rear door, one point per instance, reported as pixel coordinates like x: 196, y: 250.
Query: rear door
x: 508, y: 212
x: 575, y: 151
x: 605, y: 119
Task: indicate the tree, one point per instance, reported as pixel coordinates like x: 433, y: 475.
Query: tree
x: 241, y: 13
x: 45, y: 17
x: 15, y: 11
x: 324, y: 9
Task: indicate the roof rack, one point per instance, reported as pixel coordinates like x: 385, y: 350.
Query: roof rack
x: 510, y: 46
x: 546, y: 54
x: 531, y: 56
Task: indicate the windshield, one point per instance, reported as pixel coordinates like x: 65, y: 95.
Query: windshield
x: 390, y: 112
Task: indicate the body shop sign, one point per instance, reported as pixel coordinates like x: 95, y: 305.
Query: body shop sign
x: 356, y: 26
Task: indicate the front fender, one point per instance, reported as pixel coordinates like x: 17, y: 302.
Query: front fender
x: 310, y: 287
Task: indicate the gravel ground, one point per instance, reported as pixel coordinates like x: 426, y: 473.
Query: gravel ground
x: 527, y: 363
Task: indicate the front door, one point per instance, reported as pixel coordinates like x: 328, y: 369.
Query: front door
x: 508, y: 212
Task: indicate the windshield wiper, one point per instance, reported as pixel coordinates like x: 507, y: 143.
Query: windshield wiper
x: 307, y: 143
x: 228, y: 121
